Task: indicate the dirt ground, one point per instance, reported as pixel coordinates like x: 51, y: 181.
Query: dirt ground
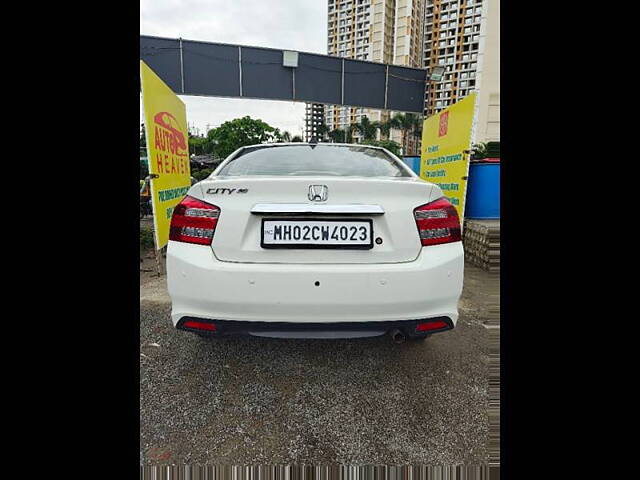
x: 252, y: 400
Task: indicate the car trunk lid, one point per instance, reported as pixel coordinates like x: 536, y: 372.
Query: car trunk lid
x: 387, y: 203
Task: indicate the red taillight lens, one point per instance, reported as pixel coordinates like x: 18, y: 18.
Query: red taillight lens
x: 193, y: 221
x: 435, y: 325
x: 200, y: 325
x: 437, y: 222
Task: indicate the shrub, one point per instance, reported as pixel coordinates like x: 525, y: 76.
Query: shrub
x: 493, y: 150
x: 390, y: 145
x: 202, y: 174
x: 146, y: 238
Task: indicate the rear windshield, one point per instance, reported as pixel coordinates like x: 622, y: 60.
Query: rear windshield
x: 333, y: 160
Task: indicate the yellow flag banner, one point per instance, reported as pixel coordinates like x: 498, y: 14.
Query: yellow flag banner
x: 446, y: 137
x: 165, y: 121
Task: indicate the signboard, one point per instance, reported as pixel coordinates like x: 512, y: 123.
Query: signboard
x: 165, y: 122
x: 192, y: 67
x: 445, y: 138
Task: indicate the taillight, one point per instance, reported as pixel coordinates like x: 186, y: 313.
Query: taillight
x: 193, y: 221
x: 437, y: 222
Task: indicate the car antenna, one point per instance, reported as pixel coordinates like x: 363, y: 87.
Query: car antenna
x: 313, y: 142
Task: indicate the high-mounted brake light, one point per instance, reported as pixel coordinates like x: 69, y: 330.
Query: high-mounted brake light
x: 437, y: 222
x: 193, y: 221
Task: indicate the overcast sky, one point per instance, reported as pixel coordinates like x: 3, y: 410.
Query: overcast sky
x: 285, y: 24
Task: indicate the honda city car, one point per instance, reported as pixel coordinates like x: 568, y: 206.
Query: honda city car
x: 302, y: 240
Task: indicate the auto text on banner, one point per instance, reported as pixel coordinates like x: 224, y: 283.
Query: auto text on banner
x: 446, y: 141
x: 165, y: 121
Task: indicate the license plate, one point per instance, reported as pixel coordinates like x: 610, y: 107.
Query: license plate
x: 357, y: 234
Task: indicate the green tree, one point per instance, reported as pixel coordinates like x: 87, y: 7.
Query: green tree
x: 197, y: 145
x: 365, y: 128
x: 322, y: 130
x: 337, y: 135
x: 407, y: 123
x: 297, y: 138
x: 479, y: 151
x: 143, y: 138
x: 144, y: 168
x: 385, y: 129
x: 202, y: 174
x: 231, y: 135
x: 393, y: 147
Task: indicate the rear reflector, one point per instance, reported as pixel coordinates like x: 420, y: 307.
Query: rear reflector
x: 193, y: 221
x: 200, y: 325
x: 435, y: 325
x: 437, y: 222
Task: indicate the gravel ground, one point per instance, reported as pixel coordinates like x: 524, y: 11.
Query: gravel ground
x: 258, y: 400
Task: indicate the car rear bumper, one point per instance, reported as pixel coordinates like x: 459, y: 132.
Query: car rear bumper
x: 200, y: 286
x: 315, y: 330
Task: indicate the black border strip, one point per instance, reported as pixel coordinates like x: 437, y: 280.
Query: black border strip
x: 297, y: 246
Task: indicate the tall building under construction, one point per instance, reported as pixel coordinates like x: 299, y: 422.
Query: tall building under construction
x: 462, y: 35
x: 385, y: 31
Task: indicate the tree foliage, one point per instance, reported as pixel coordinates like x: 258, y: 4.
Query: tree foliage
x: 323, y: 131
x: 237, y: 133
x: 202, y: 174
x: 197, y: 145
x: 479, y: 151
x: 393, y: 147
x: 408, y: 124
x: 366, y: 128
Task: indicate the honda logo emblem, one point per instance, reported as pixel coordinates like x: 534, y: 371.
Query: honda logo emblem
x: 318, y: 193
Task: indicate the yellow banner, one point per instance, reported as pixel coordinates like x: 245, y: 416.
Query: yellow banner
x: 445, y: 137
x: 165, y: 121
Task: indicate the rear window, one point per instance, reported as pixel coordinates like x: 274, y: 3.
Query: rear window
x: 333, y: 160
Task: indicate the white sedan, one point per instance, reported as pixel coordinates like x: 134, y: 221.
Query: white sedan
x: 314, y: 241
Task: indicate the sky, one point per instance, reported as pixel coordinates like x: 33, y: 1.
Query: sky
x: 284, y: 24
